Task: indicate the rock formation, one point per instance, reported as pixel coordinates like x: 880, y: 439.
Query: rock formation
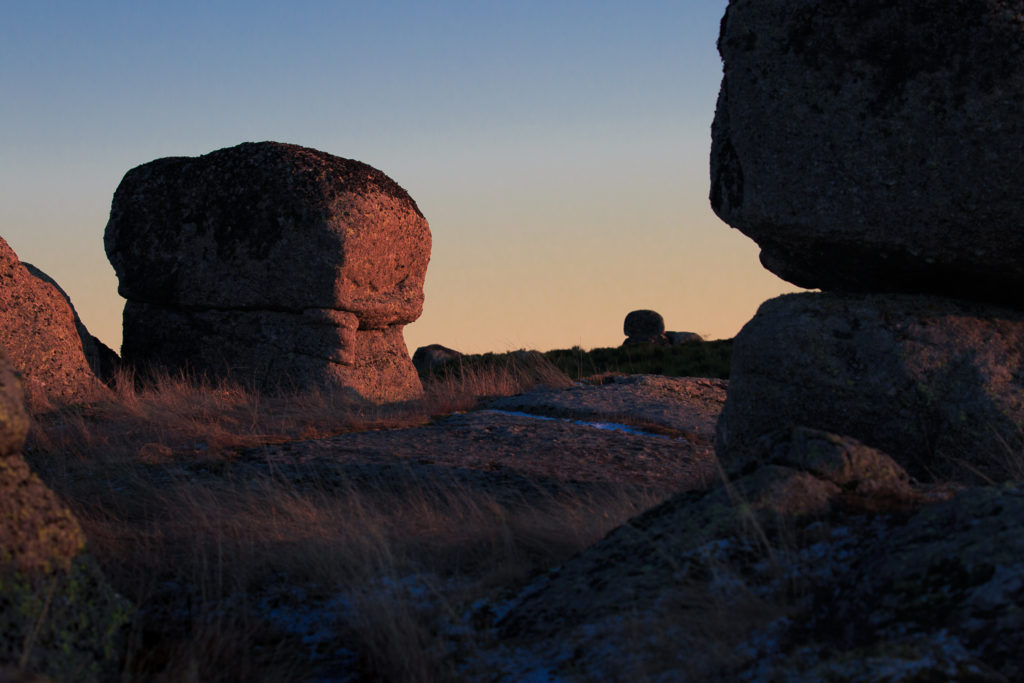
x: 37, y: 328
x: 644, y: 327
x: 875, y: 146
x: 427, y: 358
x: 58, y: 616
x: 868, y: 150
x: 938, y: 382
x: 273, y: 264
x: 824, y: 563
x: 103, y: 361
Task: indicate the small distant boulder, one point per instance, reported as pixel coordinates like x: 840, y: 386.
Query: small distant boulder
x: 644, y: 327
x: 37, y: 328
x: 103, y: 360
x: 433, y: 356
x: 680, y: 338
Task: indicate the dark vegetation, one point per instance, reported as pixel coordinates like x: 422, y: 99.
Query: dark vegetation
x: 693, y: 359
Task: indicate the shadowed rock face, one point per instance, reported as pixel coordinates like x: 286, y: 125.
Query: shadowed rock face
x: 58, y: 615
x: 871, y: 145
x: 934, y: 382
x: 270, y: 262
x: 37, y: 328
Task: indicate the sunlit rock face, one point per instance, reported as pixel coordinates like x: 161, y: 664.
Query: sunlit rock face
x: 270, y: 263
x: 37, y: 328
x: 872, y: 145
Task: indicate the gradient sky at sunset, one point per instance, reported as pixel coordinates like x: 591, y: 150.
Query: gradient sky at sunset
x: 559, y: 150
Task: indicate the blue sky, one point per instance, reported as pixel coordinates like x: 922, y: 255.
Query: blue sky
x: 558, y: 149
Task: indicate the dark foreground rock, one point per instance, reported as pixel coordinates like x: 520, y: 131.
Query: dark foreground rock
x: 825, y: 563
x: 37, y: 328
x: 875, y: 146
x: 58, y: 615
x: 934, y: 382
x: 270, y: 263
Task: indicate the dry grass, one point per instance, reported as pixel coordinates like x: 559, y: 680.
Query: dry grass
x: 213, y: 560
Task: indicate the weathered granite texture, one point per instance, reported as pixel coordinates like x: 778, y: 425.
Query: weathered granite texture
x: 103, y: 360
x: 270, y: 263
x: 937, y: 383
x: 58, y: 616
x: 37, y: 328
x: 824, y: 563
x: 873, y: 145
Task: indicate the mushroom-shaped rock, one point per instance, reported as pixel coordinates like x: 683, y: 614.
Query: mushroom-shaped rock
x: 876, y: 146
x: 271, y: 263
x: 644, y: 327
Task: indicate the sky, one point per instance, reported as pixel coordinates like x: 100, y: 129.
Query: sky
x: 558, y: 149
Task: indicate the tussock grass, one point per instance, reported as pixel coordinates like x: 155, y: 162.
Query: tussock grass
x: 217, y: 560
x: 461, y: 385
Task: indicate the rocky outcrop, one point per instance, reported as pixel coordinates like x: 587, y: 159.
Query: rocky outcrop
x: 37, y: 328
x: 644, y: 327
x: 875, y: 146
x: 823, y: 563
x: 432, y: 356
x: 58, y: 616
x: 935, y: 382
x: 270, y: 263
x: 103, y: 360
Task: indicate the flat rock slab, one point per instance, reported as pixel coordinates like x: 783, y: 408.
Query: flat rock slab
x: 688, y: 405
x: 495, y: 450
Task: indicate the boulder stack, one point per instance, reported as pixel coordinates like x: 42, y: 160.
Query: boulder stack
x: 272, y: 264
x: 37, y: 328
x: 58, y: 616
x: 876, y: 146
x: 873, y: 150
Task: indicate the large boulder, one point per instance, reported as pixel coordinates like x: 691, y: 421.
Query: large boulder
x: 270, y: 263
x: 58, y: 616
x: 37, y: 327
x: 876, y: 145
x: 936, y: 383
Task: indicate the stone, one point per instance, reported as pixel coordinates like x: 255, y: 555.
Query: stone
x: 272, y: 264
x: 644, y: 327
x: 103, y: 360
x: 37, y: 328
x: 936, y: 383
x: 680, y: 338
x: 824, y: 563
x: 58, y: 615
x: 875, y: 146
x: 427, y: 358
